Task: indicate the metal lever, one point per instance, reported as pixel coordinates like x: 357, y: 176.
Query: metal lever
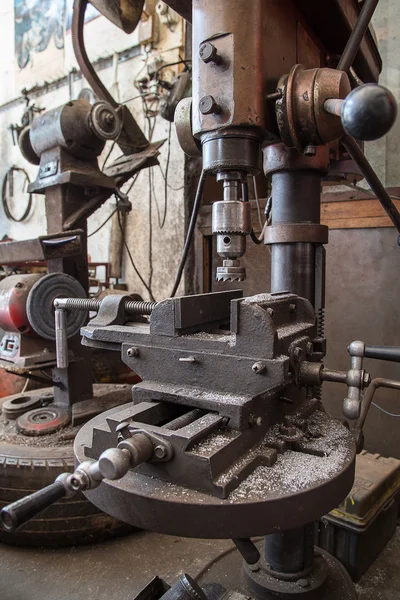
x: 16, y: 514
x: 367, y: 113
x: 390, y: 353
x: 113, y: 463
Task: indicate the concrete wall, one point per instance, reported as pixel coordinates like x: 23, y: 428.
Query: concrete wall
x: 152, y: 248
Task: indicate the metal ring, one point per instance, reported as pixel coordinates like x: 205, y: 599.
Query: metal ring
x: 292, y: 233
x: 18, y: 405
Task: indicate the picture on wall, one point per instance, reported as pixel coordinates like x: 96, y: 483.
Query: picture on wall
x: 37, y: 22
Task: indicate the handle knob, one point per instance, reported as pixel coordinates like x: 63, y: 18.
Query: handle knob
x: 19, y: 512
x: 369, y: 112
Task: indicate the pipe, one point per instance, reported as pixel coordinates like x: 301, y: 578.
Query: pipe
x: 357, y: 35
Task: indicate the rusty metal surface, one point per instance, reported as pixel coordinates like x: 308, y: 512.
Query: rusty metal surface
x: 296, y: 232
x: 301, y: 116
x: 278, y: 157
x: 122, y: 170
x: 333, y: 22
x: 44, y: 247
x: 125, y: 14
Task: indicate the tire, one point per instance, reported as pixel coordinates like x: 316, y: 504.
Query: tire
x: 27, y: 466
x: 70, y: 521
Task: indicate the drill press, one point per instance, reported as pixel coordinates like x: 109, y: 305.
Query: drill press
x: 227, y: 436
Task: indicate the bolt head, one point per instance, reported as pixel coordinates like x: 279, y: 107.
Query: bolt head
x: 208, y: 106
x: 292, y: 308
x: 132, y: 352
x: 207, y: 52
x: 259, y: 367
x: 160, y: 452
x: 310, y: 150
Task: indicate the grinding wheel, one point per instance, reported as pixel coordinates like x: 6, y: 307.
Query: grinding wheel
x: 40, y: 309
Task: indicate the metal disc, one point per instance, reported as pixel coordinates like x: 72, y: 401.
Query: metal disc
x: 18, y: 405
x: 42, y: 421
x: 157, y: 505
x: 40, y: 309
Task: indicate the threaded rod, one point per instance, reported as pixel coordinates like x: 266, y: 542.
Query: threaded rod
x: 185, y: 419
x: 131, y: 307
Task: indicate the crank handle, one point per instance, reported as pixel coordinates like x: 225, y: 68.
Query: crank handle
x: 19, y: 512
x: 113, y: 464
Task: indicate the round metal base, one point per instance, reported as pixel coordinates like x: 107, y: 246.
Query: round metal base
x: 328, y: 581
x: 259, y: 509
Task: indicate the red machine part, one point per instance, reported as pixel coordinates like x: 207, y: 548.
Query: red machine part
x: 14, y: 292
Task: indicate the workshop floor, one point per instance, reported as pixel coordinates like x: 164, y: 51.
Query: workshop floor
x: 119, y: 569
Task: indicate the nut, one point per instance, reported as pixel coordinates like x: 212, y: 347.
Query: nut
x: 208, y: 52
x: 303, y: 583
x: 366, y: 379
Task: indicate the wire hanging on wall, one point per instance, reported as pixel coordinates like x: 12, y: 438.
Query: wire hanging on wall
x: 8, y: 186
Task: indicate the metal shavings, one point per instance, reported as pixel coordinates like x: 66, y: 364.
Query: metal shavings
x: 212, y: 443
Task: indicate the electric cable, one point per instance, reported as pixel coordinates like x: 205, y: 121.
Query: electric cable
x: 102, y: 225
x: 166, y: 178
x: 171, y: 187
x: 384, y: 411
x: 108, y: 154
x: 173, y: 64
x: 6, y: 183
x: 190, y: 231
x: 130, y: 255
x: 257, y: 202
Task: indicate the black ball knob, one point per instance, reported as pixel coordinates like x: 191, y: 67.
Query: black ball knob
x: 369, y: 112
